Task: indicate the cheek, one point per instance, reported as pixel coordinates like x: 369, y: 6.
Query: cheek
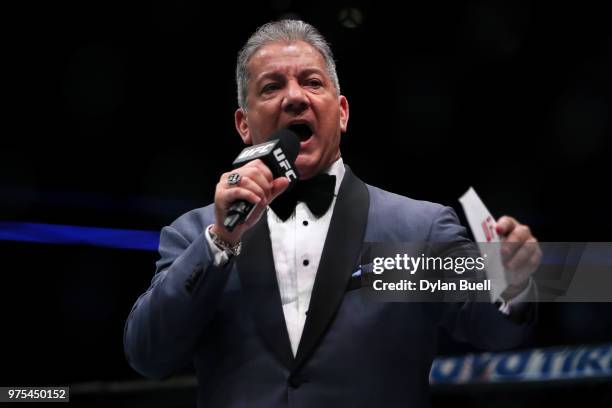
x: 266, y: 117
x: 260, y: 129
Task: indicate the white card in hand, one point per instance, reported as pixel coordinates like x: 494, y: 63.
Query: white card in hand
x: 482, y: 225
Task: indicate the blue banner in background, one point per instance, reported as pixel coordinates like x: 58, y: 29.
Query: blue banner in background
x: 74, y: 235
x: 542, y: 364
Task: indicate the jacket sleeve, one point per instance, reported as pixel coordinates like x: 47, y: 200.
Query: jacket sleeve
x: 166, y: 322
x: 481, y: 324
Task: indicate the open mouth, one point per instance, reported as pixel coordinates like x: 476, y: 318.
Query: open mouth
x: 302, y: 130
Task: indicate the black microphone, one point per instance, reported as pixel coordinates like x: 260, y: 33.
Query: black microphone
x: 278, y: 153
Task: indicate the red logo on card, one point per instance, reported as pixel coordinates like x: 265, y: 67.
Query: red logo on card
x: 488, y: 226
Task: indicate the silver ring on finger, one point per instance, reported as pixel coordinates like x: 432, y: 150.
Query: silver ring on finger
x: 233, y: 179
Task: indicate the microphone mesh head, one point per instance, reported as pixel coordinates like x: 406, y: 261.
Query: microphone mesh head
x: 289, y: 141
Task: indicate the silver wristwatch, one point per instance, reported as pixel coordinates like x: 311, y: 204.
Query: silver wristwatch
x: 225, y: 246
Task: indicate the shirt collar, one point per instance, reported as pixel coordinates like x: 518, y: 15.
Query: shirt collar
x: 336, y: 169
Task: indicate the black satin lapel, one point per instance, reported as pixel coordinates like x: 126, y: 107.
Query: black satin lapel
x: 258, y: 276
x: 339, y: 257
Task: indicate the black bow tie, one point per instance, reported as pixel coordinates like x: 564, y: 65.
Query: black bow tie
x: 316, y: 192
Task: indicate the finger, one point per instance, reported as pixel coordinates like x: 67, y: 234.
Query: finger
x: 536, y: 258
x: 237, y: 193
x: 521, y: 258
x: 512, y: 243
x: 259, y: 165
x: 249, y: 184
x: 505, y: 225
x: 258, y: 177
x: 521, y: 233
x: 536, y: 255
x: 279, y: 186
x: 508, y: 249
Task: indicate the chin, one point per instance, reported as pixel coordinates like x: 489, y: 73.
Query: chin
x: 307, y: 168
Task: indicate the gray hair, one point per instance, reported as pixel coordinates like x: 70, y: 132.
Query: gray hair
x: 281, y: 31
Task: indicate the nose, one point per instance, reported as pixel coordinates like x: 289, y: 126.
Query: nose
x: 295, y: 100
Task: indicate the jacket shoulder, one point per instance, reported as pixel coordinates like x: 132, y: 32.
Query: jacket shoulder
x: 396, y: 217
x: 386, y: 200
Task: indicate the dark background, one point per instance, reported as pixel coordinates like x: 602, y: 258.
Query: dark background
x: 120, y: 115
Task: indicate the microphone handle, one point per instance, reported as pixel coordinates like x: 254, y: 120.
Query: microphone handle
x: 238, y: 212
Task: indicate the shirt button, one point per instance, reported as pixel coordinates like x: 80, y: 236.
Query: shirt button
x: 305, y: 262
x: 305, y: 223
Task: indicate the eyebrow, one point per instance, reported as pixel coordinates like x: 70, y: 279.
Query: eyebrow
x: 269, y: 75
x: 277, y: 75
x: 309, y: 71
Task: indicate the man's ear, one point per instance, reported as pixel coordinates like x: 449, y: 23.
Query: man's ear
x: 242, y: 126
x: 344, y: 113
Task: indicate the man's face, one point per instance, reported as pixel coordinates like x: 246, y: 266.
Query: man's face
x: 289, y: 85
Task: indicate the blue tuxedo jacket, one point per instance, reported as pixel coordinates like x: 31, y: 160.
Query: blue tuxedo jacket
x: 228, y: 321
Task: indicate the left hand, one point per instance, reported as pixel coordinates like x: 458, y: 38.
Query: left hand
x: 521, y: 254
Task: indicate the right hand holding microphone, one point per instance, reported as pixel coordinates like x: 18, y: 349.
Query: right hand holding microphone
x: 256, y: 185
x: 263, y: 171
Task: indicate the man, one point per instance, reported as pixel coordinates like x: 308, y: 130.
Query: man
x: 265, y: 312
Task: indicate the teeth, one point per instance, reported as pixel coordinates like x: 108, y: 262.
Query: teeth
x: 302, y: 130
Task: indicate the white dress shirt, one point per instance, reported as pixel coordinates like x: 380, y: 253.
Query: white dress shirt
x: 297, y: 245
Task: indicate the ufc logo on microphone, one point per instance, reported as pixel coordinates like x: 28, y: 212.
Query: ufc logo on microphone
x: 284, y: 163
x: 259, y: 150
